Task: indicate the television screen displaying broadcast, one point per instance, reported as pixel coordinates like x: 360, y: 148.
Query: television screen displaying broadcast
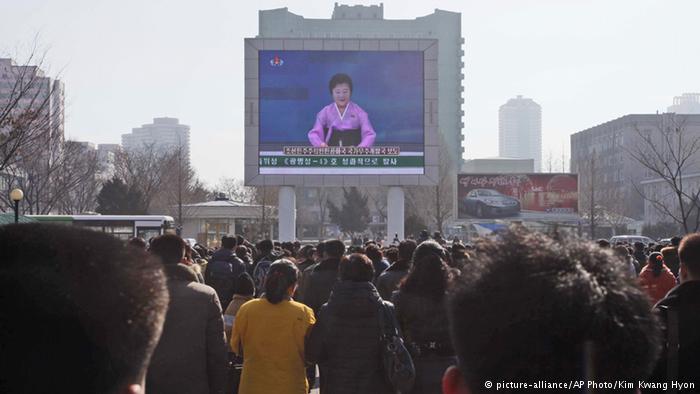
x: 341, y: 112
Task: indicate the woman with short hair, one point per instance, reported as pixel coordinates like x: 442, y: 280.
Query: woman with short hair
x: 345, y: 343
x: 342, y: 123
x: 269, y: 332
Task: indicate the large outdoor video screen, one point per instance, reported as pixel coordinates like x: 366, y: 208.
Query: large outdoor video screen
x: 341, y: 112
x: 523, y: 197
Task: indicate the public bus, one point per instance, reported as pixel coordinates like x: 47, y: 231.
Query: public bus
x: 121, y: 226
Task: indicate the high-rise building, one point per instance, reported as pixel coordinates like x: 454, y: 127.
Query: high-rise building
x: 360, y: 21
x: 106, y: 157
x: 164, y: 135
x: 520, y: 130
x: 31, y: 104
x: 498, y: 165
x: 32, y: 90
x: 611, y: 179
x: 688, y: 103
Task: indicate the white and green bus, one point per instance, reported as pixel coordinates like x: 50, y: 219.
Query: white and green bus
x: 121, y: 226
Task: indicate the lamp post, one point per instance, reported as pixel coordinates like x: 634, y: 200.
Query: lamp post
x: 16, y: 195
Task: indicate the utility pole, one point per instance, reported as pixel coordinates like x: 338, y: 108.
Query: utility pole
x: 263, y: 229
x: 592, y: 197
x: 179, y: 186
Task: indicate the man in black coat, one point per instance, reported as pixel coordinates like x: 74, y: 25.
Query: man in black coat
x: 680, y: 312
x: 223, y: 269
x: 324, y: 276
x: 191, y: 355
x: 389, y: 280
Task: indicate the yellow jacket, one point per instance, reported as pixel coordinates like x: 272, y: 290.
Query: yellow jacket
x: 272, y: 340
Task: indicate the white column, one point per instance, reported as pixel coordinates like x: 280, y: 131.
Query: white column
x: 287, y: 213
x: 395, y: 212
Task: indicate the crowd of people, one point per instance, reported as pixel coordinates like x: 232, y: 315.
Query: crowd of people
x: 85, y: 312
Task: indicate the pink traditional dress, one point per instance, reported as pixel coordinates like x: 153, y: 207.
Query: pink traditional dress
x: 334, y: 128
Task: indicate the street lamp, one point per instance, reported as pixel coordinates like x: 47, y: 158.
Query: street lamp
x: 16, y: 195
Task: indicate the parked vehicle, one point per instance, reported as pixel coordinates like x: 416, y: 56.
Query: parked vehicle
x: 120, y: 226
x: 489, y: 203
x: 631, y: 239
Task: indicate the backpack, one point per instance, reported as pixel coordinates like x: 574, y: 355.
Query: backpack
x: 259, y: 274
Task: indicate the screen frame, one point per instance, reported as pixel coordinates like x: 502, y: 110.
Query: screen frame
x: 431, y: 139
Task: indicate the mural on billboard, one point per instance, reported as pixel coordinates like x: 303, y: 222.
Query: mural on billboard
x: 521, y: 196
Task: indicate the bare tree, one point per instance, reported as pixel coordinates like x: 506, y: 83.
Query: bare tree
x: 322, y: 200
x: 52, y: 185
x: 235, y: 190
x: 589, y: 192
x: 669, y: 154
x: 181, y: 186
x: 144, y: 169
x: 439, y: 198
x: 267, y: 197
x: 82, y: 197
x: 29, y: 122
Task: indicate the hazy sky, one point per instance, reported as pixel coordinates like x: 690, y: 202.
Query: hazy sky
x: 125, y: 62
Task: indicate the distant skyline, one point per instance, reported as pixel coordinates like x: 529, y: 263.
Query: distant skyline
x: 585, y: 62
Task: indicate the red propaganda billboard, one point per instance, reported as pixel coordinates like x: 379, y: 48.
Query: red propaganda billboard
x: 517, y: 196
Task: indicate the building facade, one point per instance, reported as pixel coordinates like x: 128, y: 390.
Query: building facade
x: 608, y: 159
x: 32, y: 102
x: 520, y: 130
x: 33, y: 90
x: 498, y: 165
x: 368, y: 22
x: 687, y: 103
x: 208, y: 221
x: 165, y: 135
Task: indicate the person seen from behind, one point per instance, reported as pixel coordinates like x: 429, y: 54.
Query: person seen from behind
x: 535, y: 309
x: 656, y: 279
x: 378, y: 261
x: 191, y: 355
x: 245, y: 291
x: 324, y: 276
x: 262, y: 264
x: 270, y: 332
x: 670, y: 254
x: 224, y: 268
x: 345, y: 342
x: 422, y: 317
x: 680, y: 313
x: 82, y: 311
x: 390, y: 279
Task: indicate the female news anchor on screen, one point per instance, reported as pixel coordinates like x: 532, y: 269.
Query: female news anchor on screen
x: 342, y: 123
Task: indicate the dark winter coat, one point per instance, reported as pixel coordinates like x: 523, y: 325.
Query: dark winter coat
x: 379, y: 267
x: 260, y: 272
x: 390, y: 279
x: 345, y: 341
x: 191, y: 355
x: 685, y: 300
x: 423, y: 323
x: 670, y: 254
x: 222, y: 271
x: 302, y: 289
x: 320, y: 283
x: 641, y: 259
